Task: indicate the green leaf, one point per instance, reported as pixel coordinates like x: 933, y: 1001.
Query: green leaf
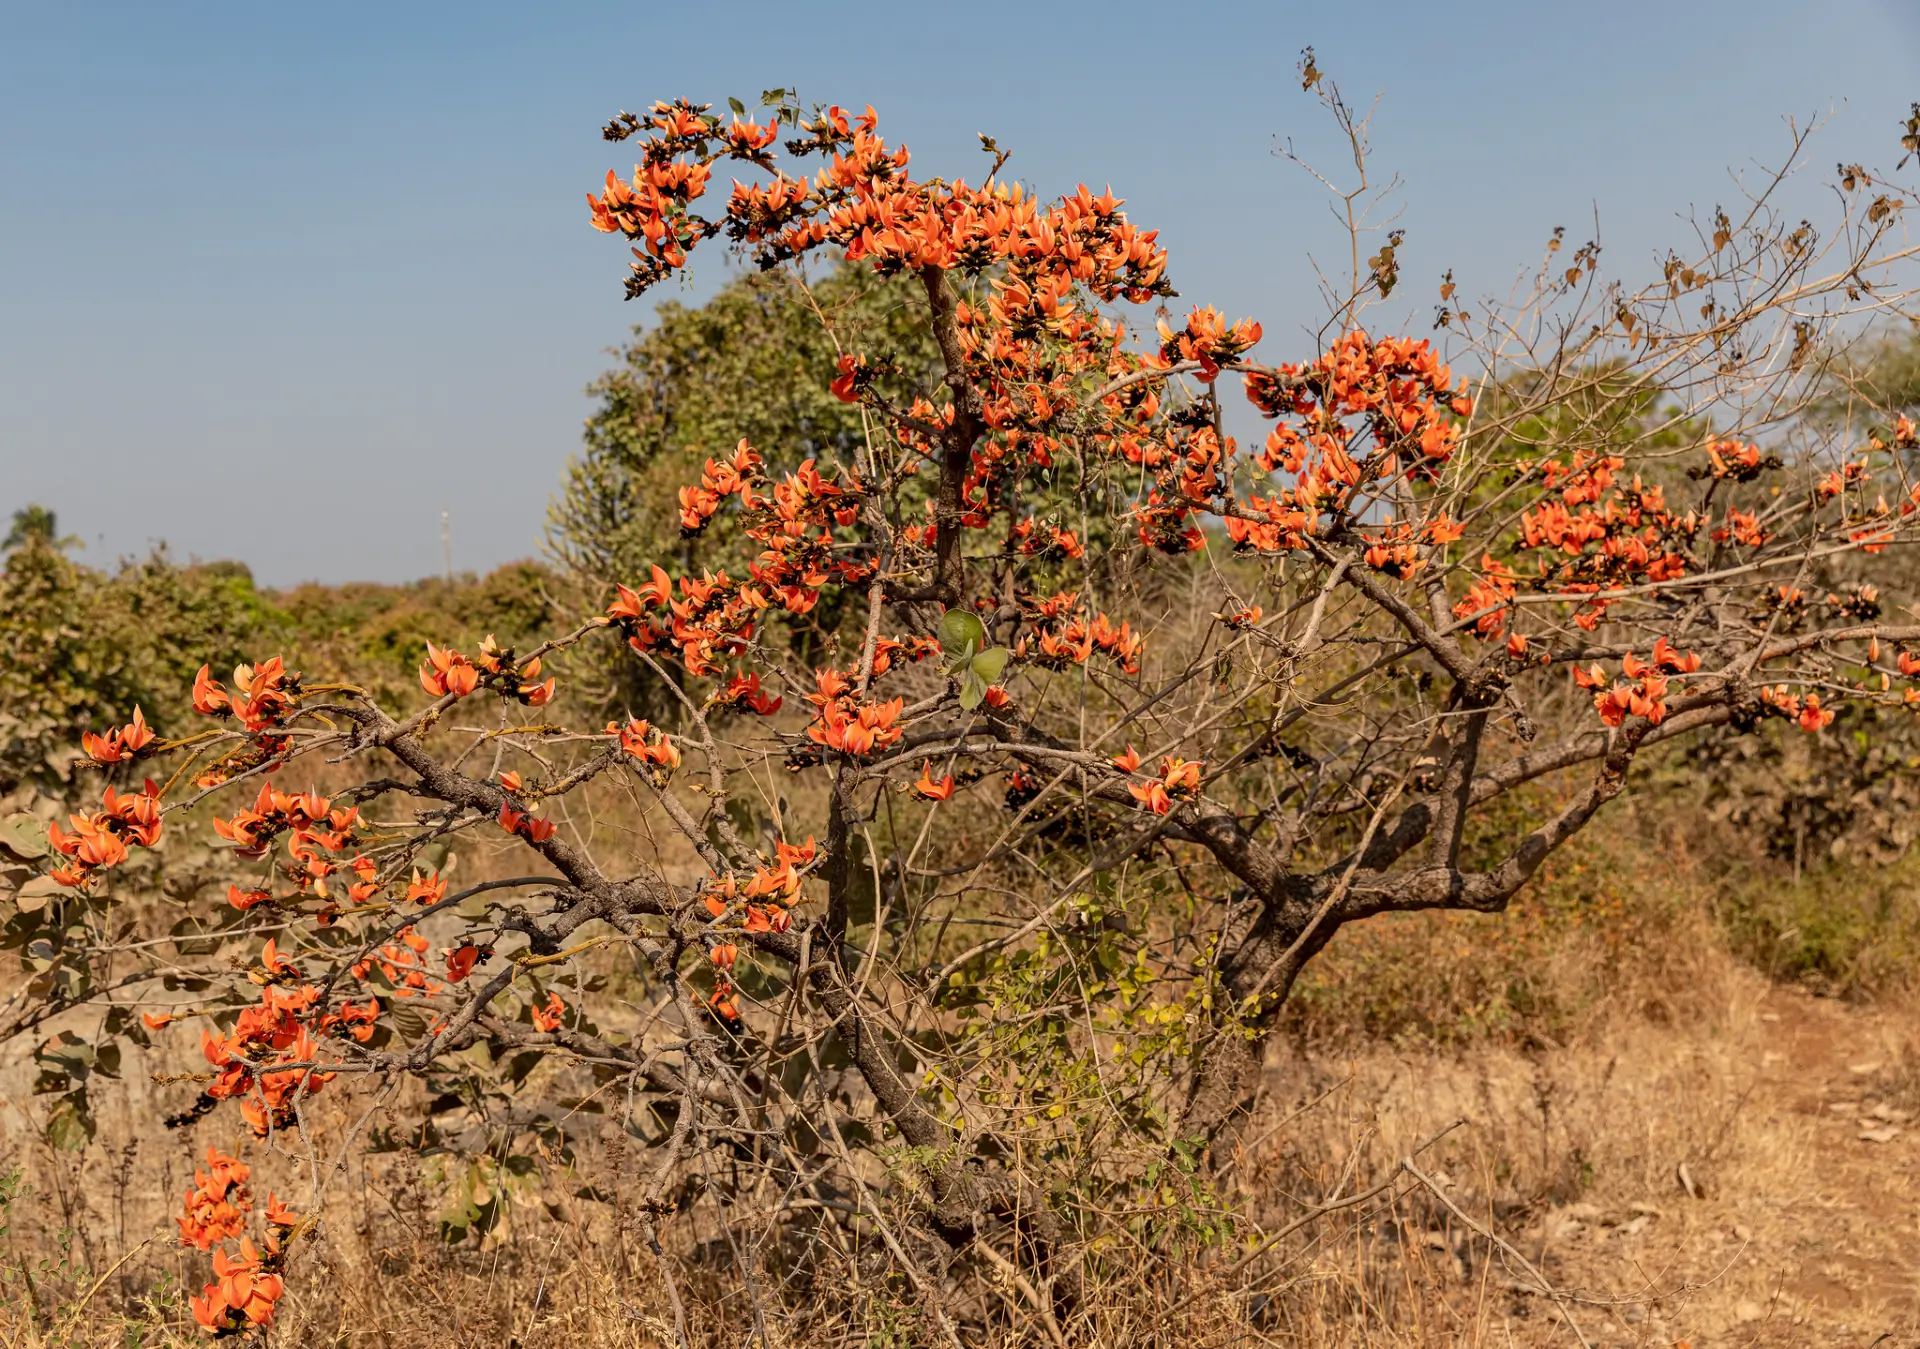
x: 195, y: 937
x: 522, y: 1064
x: 739, y: 108
x: 33, y: 896
x: 958, y: 627
x: 989, y: 663
x: 474, y: 908
x: 24, y: 836
x: 70, y: 1127
x: 973, y: 690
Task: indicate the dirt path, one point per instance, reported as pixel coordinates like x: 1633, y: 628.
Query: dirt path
x: 1858, y: 1238
x: 1808, y: 1231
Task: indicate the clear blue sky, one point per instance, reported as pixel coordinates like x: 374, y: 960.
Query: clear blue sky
x: 281, y: 282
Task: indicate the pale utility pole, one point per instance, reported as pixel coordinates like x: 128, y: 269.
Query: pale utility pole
x: 446, y: 541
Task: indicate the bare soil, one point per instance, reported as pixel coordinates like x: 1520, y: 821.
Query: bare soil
x: 1750, y: 1178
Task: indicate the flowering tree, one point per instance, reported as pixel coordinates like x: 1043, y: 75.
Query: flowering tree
x: 984, y: 914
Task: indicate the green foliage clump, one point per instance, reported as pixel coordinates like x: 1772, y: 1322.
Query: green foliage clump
x: 84, y: 646
x: 376, y: 635
x: 754, y: 362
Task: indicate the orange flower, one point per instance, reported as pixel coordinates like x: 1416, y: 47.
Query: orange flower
x: 646, y: 743
x: 116, y: 745
x: 744, y: 691
x: 279, y: 1214
x: 524, y: 825
x: 276, y: 965
x: 843, y: 384
x: 1128, y: 762
x: 460, y: 962
x: 426, y: 889
x: 1152, y: 795
x: 511, y: 781
x: 547, y: 1018
x: 723, y: 956
x: 448, y: 672
x: 933, y: 790
x: 209, y: 698
x: 247, y: 1292
x: 1669, y: 660
x: 216, y: 1207
x: 633, y: 604
x: 1814, y: 717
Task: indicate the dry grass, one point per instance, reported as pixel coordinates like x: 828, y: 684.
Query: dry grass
x: 1603, y: 1039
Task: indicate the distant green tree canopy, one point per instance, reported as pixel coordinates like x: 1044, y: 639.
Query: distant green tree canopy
x: 84, y: 646
x: 1872, y: 381
x: 30, y: 523
x: 755, y: 361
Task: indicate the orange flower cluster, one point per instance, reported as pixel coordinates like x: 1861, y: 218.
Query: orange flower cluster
x: 864, y: 201
x: 1806, y: 712
x: 262, y: 694
x: 1398, y: 387
x: 652, y: 208
x: 248, y: 1286
x: 1033, y: 539
x: 740, y: 474
x: 1731, y: 459
x: 1179, y: 780
x: 126, y: 742
x: 1062, y: 634
x: 311, y: 817
x: 849, y: 726
x: 403, y: 962
x: 272, y: 1031
x: 522, y: 825
x: 1608, y: 535
x: 1208, y: 340
x: 715, y: 617
x: 743, y: 692
x: 99, y: 841
x: 1486, y: 597
x: 772, y: 891
x: 1396, y: 549
x: 547, y: 1016
x: 243, y: 1295
x: 1405, y: 401
x: 1647, y: 697
x: 647, y: 743
x: 216, y: 1207
x: 447, y: 672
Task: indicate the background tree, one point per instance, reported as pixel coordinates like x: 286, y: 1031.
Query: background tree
x: 31, y: 523
x: 752, y: 363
